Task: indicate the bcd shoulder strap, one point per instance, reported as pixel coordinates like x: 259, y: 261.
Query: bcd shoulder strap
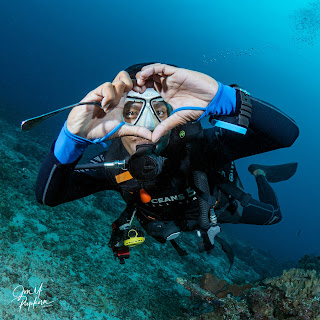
x: 245, y: 106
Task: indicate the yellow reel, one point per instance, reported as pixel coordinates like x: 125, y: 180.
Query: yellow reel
x: 134, y: 237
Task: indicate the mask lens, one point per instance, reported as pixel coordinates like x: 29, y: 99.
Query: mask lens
x: 131, y: 110
x: 160, y: 108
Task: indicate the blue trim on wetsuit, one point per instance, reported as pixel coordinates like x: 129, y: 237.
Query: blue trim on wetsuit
x: 70, y: 147
x: 228, y: 126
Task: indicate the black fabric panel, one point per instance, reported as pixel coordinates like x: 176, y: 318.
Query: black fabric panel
x: 269, y: 129
x: 65, y: 184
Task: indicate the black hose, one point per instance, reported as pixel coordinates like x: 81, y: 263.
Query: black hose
x: 201, y: 182
x: 90, y: 166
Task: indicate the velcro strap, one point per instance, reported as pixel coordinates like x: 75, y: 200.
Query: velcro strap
x: 245, y: 109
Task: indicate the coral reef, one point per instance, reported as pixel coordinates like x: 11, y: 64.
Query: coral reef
x: 65, y: 249
x: 294, y: 295
x: 197, y: 291
x: 297, y: 283
x: 220, y: 287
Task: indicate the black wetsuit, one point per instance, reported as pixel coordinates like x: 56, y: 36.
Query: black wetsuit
x: 172, y: 196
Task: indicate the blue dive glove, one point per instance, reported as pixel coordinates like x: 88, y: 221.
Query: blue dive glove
x: 69, y: 147
x: 224, y: 103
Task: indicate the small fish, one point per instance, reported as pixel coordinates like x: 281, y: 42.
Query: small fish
x: 299, y: 232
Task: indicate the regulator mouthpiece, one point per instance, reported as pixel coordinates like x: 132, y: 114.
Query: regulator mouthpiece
x: 144, y: 165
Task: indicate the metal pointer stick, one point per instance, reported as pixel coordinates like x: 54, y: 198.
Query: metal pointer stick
x: 32, y: 122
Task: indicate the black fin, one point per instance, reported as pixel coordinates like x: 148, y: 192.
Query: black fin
x: 276, y: 173
x: 227, y: 250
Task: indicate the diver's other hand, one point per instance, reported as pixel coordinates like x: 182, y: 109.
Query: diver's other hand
x: 92, y: 122
x: 180, y: 88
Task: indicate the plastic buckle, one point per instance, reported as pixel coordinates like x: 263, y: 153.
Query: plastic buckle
x: 244, y: 91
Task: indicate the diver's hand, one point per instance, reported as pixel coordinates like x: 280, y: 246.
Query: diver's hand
x: 180, y: 88
x: 91, y: 122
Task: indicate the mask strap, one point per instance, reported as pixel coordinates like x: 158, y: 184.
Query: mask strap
x: 188, y: 108
x: 95, y: 141
x: 113, y: 131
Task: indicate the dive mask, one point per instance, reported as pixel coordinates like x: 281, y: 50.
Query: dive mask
x: 146, y: 110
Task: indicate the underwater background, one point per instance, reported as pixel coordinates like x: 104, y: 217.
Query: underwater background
x: 52, y: 54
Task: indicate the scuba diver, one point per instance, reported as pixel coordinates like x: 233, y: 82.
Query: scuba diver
x: 172, y: 136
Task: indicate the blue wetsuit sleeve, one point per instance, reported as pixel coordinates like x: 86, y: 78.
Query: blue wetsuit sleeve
x: 70, y: 147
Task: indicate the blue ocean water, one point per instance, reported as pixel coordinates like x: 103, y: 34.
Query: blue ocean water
x: 53, y: 53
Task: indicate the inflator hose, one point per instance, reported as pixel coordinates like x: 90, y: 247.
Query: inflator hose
x: 201, y: 182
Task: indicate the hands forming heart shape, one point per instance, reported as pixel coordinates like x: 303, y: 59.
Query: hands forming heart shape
x: 178, y: 87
